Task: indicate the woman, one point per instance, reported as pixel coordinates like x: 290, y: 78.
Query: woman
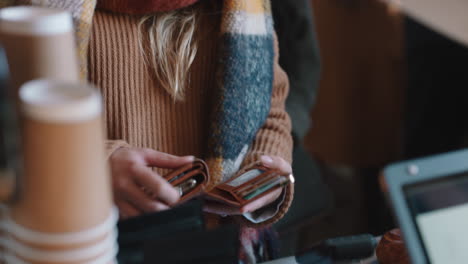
x: 185, y: 78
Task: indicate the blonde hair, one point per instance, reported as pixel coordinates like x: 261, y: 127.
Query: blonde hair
x: 172, y: 47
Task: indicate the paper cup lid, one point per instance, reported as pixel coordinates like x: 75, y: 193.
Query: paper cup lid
x: 60, y: 101
x: 35, y: 20
x: 448, y: 17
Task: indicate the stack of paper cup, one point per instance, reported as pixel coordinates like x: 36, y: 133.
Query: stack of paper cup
x: 64, y: 213
x: 39, y: 43
x: 96, y: 245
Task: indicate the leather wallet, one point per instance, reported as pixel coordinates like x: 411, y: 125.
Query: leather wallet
x: 249, y: 186
x: 190, y: 180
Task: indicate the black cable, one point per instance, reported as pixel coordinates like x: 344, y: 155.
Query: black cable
x: 339, y: 249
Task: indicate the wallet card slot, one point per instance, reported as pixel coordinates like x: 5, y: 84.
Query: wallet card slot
x: 245, y: 177
x: 249, y: 186
x: 266, y: 188
x: 192, y: 193
x: 227, y: 194
x: 177, y: 177
x: 197, y: 178
x: 190, y: 179
x: 182, y: 177
x: 198, y: 165
x: 189, y: 171
x: 223, y: 196
x: 259, y: 180
x: 178, y: 173
x: 264, y: 182
x: 187, y: 175
x: 245, y: 200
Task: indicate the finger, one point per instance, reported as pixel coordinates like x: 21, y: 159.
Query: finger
x: 126, y: 210
x: 220, y: 209
x: 136, y: 196
x: 261, y: 202
x: 156, y: 184
x: 278, y: 163
x: 163, y: 160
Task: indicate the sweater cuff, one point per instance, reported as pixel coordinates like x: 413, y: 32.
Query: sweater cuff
x: 113, y: 145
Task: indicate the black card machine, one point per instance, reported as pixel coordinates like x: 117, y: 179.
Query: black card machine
x: 430, y: 200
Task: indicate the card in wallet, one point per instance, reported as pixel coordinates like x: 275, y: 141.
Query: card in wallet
x: 249, y: 186
x: 190, y: 180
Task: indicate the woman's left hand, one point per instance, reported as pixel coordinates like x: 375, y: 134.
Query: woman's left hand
x: 271, y: 162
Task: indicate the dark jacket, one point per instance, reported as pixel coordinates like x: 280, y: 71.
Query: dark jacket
x: 300, y: 59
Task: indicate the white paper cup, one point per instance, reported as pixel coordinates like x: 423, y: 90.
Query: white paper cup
x: 39, y: 43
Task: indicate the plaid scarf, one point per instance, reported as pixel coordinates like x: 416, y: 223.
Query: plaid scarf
x: 245, y: 84
x: 245, y: 77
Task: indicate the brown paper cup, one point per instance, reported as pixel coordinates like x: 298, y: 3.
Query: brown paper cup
x: 66, y: 187
x: 105, y: 258
x: 39, y: 43
x: 18, y: 260
x: 63, y: 241
x: 101, y: 252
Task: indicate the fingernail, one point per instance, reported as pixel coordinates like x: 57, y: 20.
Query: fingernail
x: 191, y: 158
x: 267, y: 160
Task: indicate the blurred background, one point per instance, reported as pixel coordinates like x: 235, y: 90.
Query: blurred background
x: 369, y: 86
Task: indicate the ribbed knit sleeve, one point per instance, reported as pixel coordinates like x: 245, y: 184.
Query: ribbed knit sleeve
x: 113, y: 145
x: 274, y: 138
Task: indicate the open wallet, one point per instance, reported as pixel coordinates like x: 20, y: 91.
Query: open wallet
x: 190, y: 180
x: 249, y: 186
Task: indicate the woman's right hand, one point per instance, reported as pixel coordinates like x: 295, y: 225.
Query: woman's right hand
x: 131, y: 173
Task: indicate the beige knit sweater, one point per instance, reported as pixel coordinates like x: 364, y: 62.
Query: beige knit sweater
x: 140, y: 113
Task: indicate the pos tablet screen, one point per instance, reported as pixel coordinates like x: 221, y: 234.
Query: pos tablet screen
x: 430, y: 198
